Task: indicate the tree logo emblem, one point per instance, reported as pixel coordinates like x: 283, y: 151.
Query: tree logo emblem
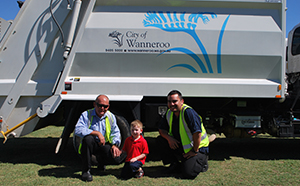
x: 117, y: 38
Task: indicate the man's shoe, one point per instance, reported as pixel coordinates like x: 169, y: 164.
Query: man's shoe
x: 205, y: 166
x: 87, y: 176
x: 101, y: 167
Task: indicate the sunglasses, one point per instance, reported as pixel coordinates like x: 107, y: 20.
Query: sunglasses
x: 172, y: 101
x: 101, y: 105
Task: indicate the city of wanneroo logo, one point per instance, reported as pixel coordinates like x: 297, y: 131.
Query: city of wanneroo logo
x: 117, y: 38
x: 187, y: 23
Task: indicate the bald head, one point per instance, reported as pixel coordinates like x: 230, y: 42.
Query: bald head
x: 102, y: 96
x: 101, y: 105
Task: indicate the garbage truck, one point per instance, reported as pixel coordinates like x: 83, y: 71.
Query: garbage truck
x: 229, y: 58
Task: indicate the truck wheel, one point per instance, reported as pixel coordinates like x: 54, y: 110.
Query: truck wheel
x: 124, y: 130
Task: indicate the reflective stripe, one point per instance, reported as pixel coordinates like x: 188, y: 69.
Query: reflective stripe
x: 188, y: 146
x: 170, y: 120
x: 187, y: 130
x: 204, y: 136
x: 192, y: 144
x: 108, y: 121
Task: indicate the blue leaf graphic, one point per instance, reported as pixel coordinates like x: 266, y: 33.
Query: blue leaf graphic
x: 220, y: 45
x: 191, y: 54
x: 169, y: 22
x: 184, y: 66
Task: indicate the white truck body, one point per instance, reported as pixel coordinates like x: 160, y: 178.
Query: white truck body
x: 139, y: 50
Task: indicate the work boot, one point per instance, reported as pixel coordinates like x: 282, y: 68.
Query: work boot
x: 205, y: 166
x: 101, y: 167
x: 87, y: 176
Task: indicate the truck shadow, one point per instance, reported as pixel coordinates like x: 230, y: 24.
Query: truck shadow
x: 248, y: 148
x: 41, y: 150
x: 68, y: 164
x: 255, y: 148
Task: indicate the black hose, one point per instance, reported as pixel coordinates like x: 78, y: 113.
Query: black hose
x: 59, y: 27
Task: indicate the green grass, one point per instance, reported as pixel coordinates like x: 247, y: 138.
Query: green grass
x: 31, y: 160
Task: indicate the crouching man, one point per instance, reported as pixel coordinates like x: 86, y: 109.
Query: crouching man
x: 100, y: 137
x: 183, y: 141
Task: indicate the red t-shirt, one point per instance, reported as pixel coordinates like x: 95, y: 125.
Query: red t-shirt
x: 134, y: 148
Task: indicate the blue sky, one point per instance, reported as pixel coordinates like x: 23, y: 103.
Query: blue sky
x: 10, y: 8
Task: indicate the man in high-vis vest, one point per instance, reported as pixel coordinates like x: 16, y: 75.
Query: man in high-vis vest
x: 100, y: 136
x: 183, y: 141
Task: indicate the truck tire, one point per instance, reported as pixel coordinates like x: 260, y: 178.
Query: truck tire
x: 124, y: 130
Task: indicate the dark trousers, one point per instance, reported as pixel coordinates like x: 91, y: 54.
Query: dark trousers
x: 130, y: 169
x: 103, y: 153
x: 191, y: 167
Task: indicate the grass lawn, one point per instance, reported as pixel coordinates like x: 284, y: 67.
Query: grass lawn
x: 31, y: 160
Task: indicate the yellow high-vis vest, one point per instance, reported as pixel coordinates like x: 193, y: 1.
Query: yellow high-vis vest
x: 185, y: 133
x: 108, y: 121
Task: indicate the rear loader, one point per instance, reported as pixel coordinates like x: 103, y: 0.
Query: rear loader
x: 227, y: 57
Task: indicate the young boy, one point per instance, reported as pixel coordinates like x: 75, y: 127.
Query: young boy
x: 136, y: 148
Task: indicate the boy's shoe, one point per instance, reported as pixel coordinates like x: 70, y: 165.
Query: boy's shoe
x: 139, y: 174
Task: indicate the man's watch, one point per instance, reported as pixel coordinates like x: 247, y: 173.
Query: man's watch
x: 116, y: 144
x: 193, y: 150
